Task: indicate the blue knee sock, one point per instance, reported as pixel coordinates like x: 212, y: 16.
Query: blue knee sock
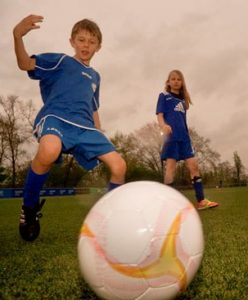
x: 33, y: 185
x: 112, y: 185
x: 198, y: 187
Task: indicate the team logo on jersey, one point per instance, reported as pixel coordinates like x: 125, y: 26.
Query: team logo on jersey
x: 179, y: 107
x: 93, y: 86
x: 86, y: 74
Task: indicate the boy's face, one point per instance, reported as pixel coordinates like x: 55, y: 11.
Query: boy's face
x: 85, y: 45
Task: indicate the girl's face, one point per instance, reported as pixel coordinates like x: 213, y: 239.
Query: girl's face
x: 175, y: 82
x: 85, y: 45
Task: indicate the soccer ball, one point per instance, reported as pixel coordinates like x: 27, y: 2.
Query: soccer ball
x: 143, y: 241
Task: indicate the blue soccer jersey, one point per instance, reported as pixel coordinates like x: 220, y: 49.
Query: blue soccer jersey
x: 69, y: 89
x: 174, y: 111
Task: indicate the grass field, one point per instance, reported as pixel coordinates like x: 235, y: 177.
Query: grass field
x: 48, y: 267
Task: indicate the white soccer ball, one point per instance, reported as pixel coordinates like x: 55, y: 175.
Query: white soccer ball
x: 143, y: 241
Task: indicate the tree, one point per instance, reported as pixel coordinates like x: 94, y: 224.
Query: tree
x: 207, y: 157
x: 223, y: 174
x: 149, y: 143
x: 126, y: 145
x: 15, y: 119
x: 3, y: 175
x: 68, y: 173
x: 141, y: 151
x: 3, y: 142
x: 238, y: 166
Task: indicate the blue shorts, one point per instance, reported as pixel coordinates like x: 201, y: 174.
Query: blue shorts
x: 177, y: 150
x: 84, y: 144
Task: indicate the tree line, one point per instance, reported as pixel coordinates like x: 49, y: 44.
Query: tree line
x: 140, y: 149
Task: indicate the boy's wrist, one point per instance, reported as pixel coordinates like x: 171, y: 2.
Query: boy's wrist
x: 17, y: 35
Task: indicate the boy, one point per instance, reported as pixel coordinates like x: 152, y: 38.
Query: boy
x: 68, y: 122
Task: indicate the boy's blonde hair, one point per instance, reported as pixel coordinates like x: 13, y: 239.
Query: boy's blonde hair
x: 183, y: 91
x: 87, y: 25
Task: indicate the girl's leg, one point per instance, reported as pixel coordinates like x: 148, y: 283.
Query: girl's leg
x: 203, y: 203
x: 117, y: 167
x: 48, y: 151
x: 196, y: 179
x: 169, y: 171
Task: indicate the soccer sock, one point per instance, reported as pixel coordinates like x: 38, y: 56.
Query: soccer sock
x: 32, y: 187
x: 198, y: 187
x: 112, y: 185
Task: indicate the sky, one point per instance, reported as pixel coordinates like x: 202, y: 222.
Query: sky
x: 142, y: 42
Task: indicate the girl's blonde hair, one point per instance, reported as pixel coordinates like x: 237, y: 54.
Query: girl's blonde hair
x: 183, y: 91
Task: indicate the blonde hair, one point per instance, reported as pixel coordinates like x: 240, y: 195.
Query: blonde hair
x: 183, y: 91
x: 88, y: 25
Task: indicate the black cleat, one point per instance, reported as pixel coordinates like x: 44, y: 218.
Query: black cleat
x: 29, y: 226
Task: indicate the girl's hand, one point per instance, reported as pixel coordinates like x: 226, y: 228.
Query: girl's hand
x: 27, y: 24
x: 167, y: 130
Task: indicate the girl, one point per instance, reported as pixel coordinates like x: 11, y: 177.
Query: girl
x: 171, y: 113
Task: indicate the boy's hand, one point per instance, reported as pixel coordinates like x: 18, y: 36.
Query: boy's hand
x: 27, y: 24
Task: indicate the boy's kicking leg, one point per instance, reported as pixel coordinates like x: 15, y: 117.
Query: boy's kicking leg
x: 117, y: 167
x: 48, y: 151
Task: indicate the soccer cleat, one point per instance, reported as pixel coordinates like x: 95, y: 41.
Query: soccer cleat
x: 205, y: 204
x: 29, y: 226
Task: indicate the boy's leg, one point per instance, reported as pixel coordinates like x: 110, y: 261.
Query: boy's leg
x: 33, y: 185
x: 117, y: 167
x: 48, y: 151
x: 196, y: 179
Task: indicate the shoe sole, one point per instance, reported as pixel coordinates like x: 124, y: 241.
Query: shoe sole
x: 31, y: 232
x: 207, y: 207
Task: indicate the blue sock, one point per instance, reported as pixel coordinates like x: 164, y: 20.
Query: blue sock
x: 112, y: 185
x: 33, y: 185
x: 198, y: 187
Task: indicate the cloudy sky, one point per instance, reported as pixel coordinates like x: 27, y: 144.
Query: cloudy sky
x: 142, y: 42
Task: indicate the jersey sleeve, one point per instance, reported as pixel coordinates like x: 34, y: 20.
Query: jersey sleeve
x: 44, y: 64
x: 160, y: 104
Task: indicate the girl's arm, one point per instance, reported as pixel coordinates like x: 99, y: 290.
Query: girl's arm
x: 29, y: 23
x: 166, y: 129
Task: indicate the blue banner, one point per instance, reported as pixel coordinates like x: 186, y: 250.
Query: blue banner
x: 18, y: 193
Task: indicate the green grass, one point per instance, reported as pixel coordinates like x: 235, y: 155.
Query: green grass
x: 48, y: 267
x: 224, y: 270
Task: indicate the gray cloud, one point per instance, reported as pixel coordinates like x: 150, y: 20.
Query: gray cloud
x: 142, y: 42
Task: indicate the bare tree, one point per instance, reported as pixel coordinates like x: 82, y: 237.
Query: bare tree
x: 207, y: 157
x: 224, y: 173
x: 2, y: 141
x: 238, y: 166
x: 149, y: 142
x: 15, y: 119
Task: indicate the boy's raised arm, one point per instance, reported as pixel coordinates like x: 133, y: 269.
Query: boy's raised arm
x: 24, y: 61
